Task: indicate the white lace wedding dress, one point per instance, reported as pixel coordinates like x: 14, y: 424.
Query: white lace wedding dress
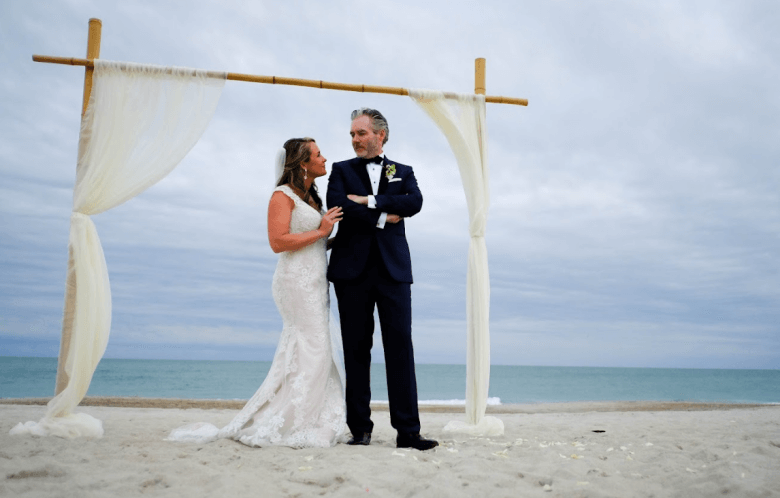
x: 301, y: 402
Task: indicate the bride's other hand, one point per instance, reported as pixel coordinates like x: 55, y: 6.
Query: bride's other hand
x: 393, y: 218
x: 329, y: 219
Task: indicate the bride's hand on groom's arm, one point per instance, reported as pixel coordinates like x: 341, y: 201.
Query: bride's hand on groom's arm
x: 393, y: 218
x: 329, y: 219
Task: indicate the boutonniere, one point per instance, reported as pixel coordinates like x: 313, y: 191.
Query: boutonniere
x: 390, y: 172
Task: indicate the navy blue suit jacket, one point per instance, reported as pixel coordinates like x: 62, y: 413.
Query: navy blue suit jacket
x: 357, y: 229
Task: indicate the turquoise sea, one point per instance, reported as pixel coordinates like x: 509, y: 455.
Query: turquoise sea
x: 34, y: 377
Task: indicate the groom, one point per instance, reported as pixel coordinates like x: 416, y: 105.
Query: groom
x: 370, y: 267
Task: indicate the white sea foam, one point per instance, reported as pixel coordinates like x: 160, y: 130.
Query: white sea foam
x: 446, y: 402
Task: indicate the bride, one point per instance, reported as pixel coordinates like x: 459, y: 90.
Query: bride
x: 301, y: 401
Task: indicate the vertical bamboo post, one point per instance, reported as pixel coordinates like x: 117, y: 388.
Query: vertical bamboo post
x: 479, y: 76
x: 93, y: 52
x: 69, y: 309
x: 475, y: 403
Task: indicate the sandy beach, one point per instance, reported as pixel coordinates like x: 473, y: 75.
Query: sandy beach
x: 568, y: 449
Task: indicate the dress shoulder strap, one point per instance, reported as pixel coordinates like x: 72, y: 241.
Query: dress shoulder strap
x: 285, y: 189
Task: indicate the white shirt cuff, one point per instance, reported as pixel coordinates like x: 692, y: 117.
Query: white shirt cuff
x: 381, y: 221
x: 371, y: 202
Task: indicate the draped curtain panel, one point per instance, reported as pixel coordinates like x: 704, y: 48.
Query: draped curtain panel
x: 140, y: 123
x: 461, y: 117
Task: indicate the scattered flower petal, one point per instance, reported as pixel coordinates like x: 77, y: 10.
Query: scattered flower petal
x: 309, y: 458
x: 690, y: 470
x: 303, y: 469
x: 547, y: 487
x: 395, y: 453
x: 502, y: 454
x: 576, y: 456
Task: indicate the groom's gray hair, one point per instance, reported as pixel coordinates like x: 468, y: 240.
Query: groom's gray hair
x: 378, y: 122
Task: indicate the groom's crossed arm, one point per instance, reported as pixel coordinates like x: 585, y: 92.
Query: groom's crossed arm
x: 337, y: 196
x: 405, y: 204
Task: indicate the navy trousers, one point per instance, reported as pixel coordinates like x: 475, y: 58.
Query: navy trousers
x: 393, y: 301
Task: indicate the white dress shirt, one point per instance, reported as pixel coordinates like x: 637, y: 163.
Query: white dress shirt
x: 375, y: 174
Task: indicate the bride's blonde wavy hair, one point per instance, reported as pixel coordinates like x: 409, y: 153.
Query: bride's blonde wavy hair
x: 298, y: 152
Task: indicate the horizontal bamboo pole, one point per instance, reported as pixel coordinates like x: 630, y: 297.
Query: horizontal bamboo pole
x: 278, y: 80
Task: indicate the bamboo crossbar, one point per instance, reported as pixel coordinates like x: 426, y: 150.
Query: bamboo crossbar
x: 279, y: 80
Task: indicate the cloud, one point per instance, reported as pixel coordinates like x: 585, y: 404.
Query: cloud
x: 635, y: 198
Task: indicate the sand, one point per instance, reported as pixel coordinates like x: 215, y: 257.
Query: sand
x: 645, y: 449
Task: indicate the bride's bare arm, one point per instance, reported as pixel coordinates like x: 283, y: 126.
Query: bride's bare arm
x: 279, y: 214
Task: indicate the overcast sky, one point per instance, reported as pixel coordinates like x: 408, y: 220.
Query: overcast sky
x: 634, y: 220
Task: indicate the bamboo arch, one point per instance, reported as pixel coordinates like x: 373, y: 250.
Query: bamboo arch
x: 93, y: 52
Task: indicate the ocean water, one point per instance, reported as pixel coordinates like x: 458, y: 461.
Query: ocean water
x: 35, y: 377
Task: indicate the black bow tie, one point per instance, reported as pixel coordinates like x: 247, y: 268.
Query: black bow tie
x: 377, y: 160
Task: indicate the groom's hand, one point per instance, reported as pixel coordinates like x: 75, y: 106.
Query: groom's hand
x: 359, y: 199
x: 393, y: 218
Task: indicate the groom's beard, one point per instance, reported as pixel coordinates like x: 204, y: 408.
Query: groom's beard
x: 367, y: 151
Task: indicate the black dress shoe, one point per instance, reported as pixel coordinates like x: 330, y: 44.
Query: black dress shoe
x: 362, y: 439
x: 415, y: 441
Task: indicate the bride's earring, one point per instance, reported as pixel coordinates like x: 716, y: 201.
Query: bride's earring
x: 305, y: 174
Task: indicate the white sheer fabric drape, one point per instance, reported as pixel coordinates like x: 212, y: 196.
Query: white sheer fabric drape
x: 140, y: 123
x: 461, y: 117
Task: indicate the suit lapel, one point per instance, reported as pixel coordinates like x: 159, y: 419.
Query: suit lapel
x: 362, y: 173
x: 383, y: 178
